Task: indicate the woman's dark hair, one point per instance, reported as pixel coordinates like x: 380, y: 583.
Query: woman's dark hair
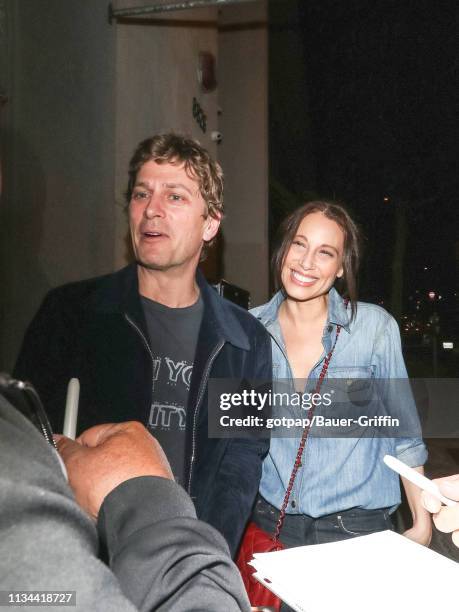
x: 347, y: 285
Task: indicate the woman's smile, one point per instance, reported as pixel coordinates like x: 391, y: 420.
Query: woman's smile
x: 305, y: 280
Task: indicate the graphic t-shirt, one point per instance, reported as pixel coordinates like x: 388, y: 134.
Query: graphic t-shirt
x: 173, y: 337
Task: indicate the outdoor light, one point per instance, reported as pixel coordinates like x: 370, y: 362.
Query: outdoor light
x: 448, y: 346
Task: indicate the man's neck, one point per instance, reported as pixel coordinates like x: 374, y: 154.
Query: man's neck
x: 167, y: 288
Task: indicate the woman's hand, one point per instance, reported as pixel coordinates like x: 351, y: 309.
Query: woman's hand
x: 420, y: 534
x: 446, y: 519
x: 421, y: 531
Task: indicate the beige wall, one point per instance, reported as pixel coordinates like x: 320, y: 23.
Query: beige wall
x: 82, y: 94
x: 56, y: 212
x: 243, y: 98
x: 156, y: 83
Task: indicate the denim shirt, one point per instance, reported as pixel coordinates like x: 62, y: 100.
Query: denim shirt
x: 340, y: 473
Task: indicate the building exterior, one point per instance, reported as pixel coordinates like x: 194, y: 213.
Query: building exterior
x: 81, y: 93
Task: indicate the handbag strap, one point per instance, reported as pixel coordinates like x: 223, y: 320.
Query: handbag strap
x: 299, y: 454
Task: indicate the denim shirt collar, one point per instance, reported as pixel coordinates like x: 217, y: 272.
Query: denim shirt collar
x: 338, y: 313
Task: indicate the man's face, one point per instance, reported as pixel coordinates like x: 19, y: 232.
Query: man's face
x: 168, y: 218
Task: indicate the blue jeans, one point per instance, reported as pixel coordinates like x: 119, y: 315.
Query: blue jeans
x: 302, y: 530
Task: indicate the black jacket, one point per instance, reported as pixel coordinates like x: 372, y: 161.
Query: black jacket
x: 95, y: 330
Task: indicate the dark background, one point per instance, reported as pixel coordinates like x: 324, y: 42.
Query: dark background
x: 363, y: 99
x: 363, y: 109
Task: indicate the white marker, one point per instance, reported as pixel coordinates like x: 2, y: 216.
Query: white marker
x: 416, y: 478
x: 71, y: 408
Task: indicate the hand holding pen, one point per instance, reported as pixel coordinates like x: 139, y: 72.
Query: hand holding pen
x: 446, y: 518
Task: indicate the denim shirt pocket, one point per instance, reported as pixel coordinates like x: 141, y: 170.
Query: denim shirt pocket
x: 353, y: 391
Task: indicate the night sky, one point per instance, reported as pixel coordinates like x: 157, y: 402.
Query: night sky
x: 373, y: 117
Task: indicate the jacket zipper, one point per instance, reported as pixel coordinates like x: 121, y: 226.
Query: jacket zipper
x: 202, y: 385
x: 27, y: 388
x: 147, y: 346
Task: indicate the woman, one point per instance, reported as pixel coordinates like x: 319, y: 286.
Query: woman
x: 342, y: 488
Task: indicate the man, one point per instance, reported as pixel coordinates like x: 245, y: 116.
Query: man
x: 145, y: 340
x: 161, y: 557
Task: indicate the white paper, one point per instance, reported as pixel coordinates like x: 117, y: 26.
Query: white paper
x: 380, y: 572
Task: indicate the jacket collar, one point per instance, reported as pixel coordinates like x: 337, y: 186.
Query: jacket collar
x: 119, y: 293
x: 221, y: 313
x: 338, y: 313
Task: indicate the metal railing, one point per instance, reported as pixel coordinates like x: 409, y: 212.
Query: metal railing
x: 167, y: 7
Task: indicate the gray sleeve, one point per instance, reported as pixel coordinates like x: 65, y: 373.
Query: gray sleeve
x: 46, y: 541
x: 164, y: 558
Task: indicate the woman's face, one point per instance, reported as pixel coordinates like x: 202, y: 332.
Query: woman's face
x: 314, y: 259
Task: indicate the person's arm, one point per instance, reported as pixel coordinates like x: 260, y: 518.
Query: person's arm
x: 446, y: 518
x: 47, y: 542
x: 164, y: 558
x: 239, y: 474
x: 399, y: 401
x: 421, y: 531
x: 234, y: 492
